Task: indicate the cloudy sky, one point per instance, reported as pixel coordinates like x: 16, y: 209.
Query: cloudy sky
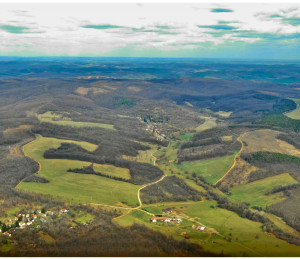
x: 269, y: 30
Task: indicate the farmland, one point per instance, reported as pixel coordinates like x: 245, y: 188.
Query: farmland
x: 58, y: 119
x: 76, y: 187
x: 225, y: 231
x: 265, y: 140
x: 258, y: 190
x: 211, y: 169
x: 295, y: 114
x: 117, y: 147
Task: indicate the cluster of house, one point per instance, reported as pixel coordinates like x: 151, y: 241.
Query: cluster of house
x: 165, y: 219
x: 24, y: 220
x: 156, y: 131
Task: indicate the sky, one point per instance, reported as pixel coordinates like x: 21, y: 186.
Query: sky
x: 196, y: 30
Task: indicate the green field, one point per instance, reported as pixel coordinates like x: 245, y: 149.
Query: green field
x: 111, y: 170
x: 254, y: 192
x: 295, y: 114
x: 50, y: 117
x: 72, y: 186
x: 186, y: 137
x: 225, y: 231
x: 211, y: 169
x: 169, y: 153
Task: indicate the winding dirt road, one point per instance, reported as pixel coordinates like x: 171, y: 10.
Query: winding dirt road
x: 234, y: 160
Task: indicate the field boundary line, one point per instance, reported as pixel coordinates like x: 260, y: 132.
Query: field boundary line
x: 26, y: 155
x: 234, y: 160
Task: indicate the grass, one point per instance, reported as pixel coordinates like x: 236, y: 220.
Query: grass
x: 243, y: 231
x: 247, y: 237
x: 227, y: 138
x: 84, y: 219
x: 209, y: 123
x: 54, y: 118
x: 254, y: 192
x: 144, y: 156
x: 111, y: 170
x: 295, y: 114
x: 211, y: 169
x: 224, y: 114
x: 169, y: 153
x: 75, y: 187
x: 186, y: 137
x: 266, y: 140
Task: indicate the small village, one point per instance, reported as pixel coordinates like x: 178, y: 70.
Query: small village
x: 24, y: 220
x: 152, y: 128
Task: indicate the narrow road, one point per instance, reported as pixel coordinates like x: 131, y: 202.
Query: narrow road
x: 144, y: 186
x: 234, y: 160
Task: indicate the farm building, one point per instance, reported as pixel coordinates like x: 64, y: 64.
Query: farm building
x: 162, y: 219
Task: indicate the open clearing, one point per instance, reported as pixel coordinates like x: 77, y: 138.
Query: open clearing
x: 223, y: 114
x: 211, y: 169
x: 265, y: 140
x: 72, y: 186
x: 58, y: 119
x: 144, y: 156
x: 225, y: 231
x: 295, y: 114
x: 186, y: 137
x: 210, y: 122
x: 111, y: 170
x: 254, y: 192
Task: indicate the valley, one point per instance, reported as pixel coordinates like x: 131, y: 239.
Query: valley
x: 207, y: 158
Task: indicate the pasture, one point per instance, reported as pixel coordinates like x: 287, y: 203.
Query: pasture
x: 265, y: 140
x: 111, y: 170
x: 295, y: 114
x: 59, y: 119
x: 211, y: 169
x: 75, y: 187
x: 225, y: 231
x: 186, y: 137
x: 210, y: 122
x: 254, y: 192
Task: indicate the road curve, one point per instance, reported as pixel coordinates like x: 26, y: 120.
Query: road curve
x: 234, y: 160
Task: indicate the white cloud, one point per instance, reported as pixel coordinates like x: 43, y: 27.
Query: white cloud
x: 58, y: 27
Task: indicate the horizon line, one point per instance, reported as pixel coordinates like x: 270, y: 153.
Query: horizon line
x: 126, y: 57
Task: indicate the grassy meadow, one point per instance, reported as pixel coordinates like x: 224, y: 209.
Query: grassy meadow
x: 295, y: 114
x: 225, y: 231
x: 76, y: 187
x: 211, y: 169
x: 254, y: 192
x: 58, y: 119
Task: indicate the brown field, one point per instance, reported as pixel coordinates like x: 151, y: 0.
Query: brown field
x: 84, y: 91
x: 267, y: 92
x: 210, y: 122
x: 239, y: 174
x: 265, y: 140
x: 223, y: 114
x: 12, y: 131
x: 134, y: 89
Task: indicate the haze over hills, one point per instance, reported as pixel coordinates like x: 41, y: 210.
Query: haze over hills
x: 181, y: 157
